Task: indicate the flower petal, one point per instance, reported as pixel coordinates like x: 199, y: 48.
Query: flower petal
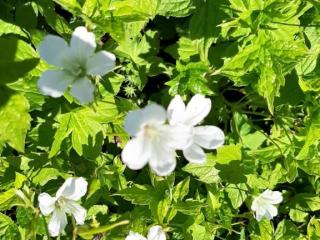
x: 194, y: 154
x: 176, y: 136
x: 176, y: 110
x: 153, y: 113
x: 271, y: 212
x: 197, y: 109
x: 136, y: 153
x: 54, y: 83
x: 135, y: 236
x: 156, y: 233
x: 260, y: 210
x: 73, y: 189
x: 101, y: 63
x: 52, y: 49
x: 57, y: 223
x: 162, y: 160
x: 79, y: 213
x: 82, y: 90
x: 272, y: 197
x: 83, y: 43
x: 209, y: 137
x: 46, y: 203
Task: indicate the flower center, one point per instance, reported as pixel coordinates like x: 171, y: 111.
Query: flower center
x: 151, y: 131
x: 79, y: 71
x: 61, y: 202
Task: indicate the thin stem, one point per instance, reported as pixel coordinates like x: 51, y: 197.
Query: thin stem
x: 75, y: 230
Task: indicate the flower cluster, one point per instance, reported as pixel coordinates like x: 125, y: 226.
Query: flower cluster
x: 155, y: 142
x: 156, y: 133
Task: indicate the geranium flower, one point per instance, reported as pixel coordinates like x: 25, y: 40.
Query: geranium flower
x: 64, y: 202
x: 153, y: 142
x: 208, y: 137
x: 263, y: 205
x: 75, y: 63
x: 155, y: 233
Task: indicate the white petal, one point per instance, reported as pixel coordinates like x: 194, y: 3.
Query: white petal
x: 177, y: 136
x: 83, y: 43
x: 272, y: 197
x: 82, y: 90
x: 194, y: 154
x: 271, y: 211
x: 136, y: 153
x: 197, y: 109
x: 260, y: 211
x: 176, y: 110
x: 209, y: 137
x: 156, y: 233
x: 73, y: 189
x: 54, y: 83
x: 152, y: 113
x: 52, y: 49
x: 101, y: 63
x: 78, y: 212
x: 46, y: 203
x: 135, y: 236
x: 162, y: 160
x: 57, y: 222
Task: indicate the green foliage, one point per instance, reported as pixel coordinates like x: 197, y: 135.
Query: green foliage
x: 257, y: 60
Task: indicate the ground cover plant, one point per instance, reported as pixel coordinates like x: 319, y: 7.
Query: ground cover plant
x: 159, y: 119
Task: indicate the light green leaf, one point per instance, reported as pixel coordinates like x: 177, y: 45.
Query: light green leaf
x: 176, y: 8
x: 14, y: 119
x: 16, y: 59
x: 206, y: 172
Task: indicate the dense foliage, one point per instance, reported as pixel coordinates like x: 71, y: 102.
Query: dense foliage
x: 257, y: 60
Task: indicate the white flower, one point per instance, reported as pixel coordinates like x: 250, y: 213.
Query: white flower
x: 64, y: 202
x: 153, y: 142
x: 263, y: 204
x: 155, y: 233
x: 75, y: 62
x: 208, y: 137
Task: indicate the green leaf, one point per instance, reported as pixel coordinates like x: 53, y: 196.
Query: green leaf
x: 176, y: 8
x: 263, y: 230
x: 138, y: 194
x: 228, y: 153
x: 8, y: 199
x: 46, y: 174
x: 313, y: 229
x: 237, y: 194
x: 16, y: 59
x: 14, y: 119
x: 306, y: 202
x: 8, y: 230
x: 287, y: 230
x: 190, y: 78
x: 312, y: 134
x: 83, y: 125
x: 181, y: 190
x: 206, y: 172
x: 191, y: 207
x: 10, y: 28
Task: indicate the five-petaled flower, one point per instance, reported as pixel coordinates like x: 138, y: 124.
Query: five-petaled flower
x: 75, y: 62
x: 153, y: 142
x: 208, y: 137
x: 263, y: 205
x: 155, y: 233
x: 64, y: 202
